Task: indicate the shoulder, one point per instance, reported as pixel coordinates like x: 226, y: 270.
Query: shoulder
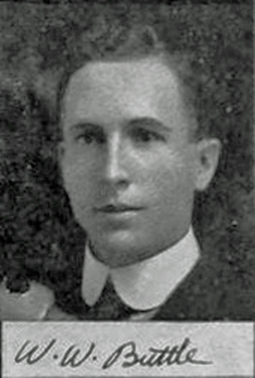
x: 204, y: 296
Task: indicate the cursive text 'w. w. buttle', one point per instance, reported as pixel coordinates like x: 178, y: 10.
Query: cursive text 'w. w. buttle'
x: 126, y: 355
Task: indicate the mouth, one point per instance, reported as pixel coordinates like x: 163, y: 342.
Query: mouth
x: 117, y: 208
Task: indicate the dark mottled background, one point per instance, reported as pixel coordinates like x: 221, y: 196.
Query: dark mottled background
x: 38, y: 235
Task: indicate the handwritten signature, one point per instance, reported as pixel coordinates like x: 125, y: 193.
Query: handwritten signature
x: 127, y: 355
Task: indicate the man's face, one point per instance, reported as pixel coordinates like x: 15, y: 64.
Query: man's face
x: 128, y: 164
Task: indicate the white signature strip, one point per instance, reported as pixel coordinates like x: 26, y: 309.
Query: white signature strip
x: 97, y: 349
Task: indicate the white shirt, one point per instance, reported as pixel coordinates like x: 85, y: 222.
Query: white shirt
x: 147, y: 284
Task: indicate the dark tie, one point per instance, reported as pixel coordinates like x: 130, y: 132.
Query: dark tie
x: 109, y: 306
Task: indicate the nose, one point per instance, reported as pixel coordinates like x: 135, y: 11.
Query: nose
x: 116, y: 165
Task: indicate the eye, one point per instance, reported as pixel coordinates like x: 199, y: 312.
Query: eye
x: 90, y: 137
x: 146, y: 136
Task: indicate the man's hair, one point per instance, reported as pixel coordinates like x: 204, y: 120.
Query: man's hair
x: 140, y: 42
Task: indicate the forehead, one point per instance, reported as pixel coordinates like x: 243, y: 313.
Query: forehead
x: 140, y: 88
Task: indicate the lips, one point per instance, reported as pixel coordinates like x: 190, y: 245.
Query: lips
x: 117, y: 208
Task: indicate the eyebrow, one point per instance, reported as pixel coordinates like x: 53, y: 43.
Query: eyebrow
x: 83, y: 125
x: 151, y: 122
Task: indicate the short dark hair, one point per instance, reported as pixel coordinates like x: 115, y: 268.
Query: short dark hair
x: 139, y: 42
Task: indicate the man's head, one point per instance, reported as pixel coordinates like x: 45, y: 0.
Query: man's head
x: 131, y: 159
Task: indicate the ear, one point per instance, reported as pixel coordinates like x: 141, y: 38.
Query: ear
x: 208, y: 151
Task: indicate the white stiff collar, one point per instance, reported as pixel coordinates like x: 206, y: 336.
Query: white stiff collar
x: 146, y: 284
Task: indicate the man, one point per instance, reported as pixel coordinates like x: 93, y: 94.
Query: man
x: 132, y: 158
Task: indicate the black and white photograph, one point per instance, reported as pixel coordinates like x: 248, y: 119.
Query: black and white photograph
x: 127, y: 161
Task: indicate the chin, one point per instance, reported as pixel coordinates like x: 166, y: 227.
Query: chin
x: 118, y: 249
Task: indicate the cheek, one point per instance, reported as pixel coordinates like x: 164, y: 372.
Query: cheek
x: 165, y: 165
x: 78, y: 175
x: 170, y: 177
